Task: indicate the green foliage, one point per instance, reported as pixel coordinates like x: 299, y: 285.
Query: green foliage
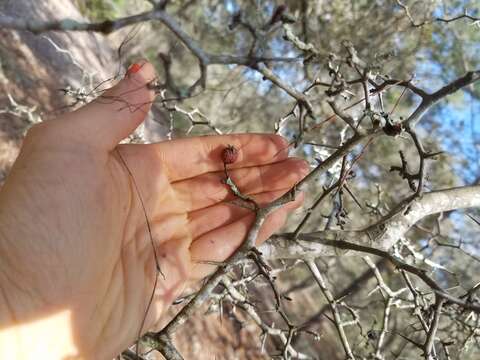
x: 99, y: 10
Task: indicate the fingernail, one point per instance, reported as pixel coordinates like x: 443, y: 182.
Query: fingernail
x: 134, y: 68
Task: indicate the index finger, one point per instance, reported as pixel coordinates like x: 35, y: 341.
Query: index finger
x: 190, y: 157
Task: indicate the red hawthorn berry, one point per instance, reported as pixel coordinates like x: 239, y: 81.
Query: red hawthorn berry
x: 229, y: 154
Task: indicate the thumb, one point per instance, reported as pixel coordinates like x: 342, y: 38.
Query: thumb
x: 120, y: 110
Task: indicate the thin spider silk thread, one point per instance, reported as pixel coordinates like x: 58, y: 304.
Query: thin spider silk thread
x: 157, y: 264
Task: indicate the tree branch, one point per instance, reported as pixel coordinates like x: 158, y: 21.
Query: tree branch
x: 383, y: 234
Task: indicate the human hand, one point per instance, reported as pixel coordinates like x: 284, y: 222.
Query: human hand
x: 73, y: 233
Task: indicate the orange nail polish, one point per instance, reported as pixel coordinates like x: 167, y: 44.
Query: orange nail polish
x: 134, y: 68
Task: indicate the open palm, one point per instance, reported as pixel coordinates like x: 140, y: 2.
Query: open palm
x: 91, y: 218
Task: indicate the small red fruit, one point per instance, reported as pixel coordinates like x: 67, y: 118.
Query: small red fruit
x: 229, y: 154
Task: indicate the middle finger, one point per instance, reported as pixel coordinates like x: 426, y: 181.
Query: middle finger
x: 208, y: 189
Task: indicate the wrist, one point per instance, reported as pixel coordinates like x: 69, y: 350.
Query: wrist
x: 47, y: 338
x: 27, y: 329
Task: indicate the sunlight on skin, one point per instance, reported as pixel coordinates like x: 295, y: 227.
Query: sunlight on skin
x: 53, y: 339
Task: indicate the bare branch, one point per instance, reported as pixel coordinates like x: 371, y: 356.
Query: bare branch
x: 333, y: 307
x: 465, y: 15
x: 383, y: 234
